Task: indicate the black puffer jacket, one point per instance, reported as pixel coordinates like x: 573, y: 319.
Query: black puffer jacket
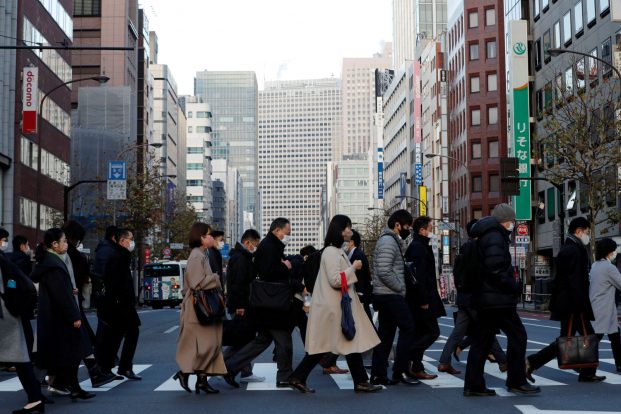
x: 500, y: 289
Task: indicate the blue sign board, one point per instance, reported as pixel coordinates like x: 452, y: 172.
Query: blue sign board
x: 380, y: 180
x: 418, y: 174
x: 117, y: 170
x: 226, y: 249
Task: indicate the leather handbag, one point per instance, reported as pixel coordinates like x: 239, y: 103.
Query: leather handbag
x: 208, y: 305
x: 575, y: 352
x: 270, y: 295
x: 348, y: 326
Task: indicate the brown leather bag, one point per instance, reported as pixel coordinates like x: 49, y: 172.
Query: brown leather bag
x: 576, y: 352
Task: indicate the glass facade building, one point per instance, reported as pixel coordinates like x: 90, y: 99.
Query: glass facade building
x: 233, y: 98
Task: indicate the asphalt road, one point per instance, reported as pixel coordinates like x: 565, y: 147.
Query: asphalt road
x: 158, y: 393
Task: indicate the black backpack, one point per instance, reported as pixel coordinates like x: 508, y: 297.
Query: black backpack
x: 20, y: 294
x: 468, y: 268
x: 310, y: 269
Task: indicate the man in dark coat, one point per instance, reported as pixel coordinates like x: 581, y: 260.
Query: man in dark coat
x: 20, y: 256
x: 496, y: 301
x: 117, y: 312
x: 424, y: 300
x: 214, y: 255
x: 103, y: 252
x: 364, y: 288
x: 570, y: 296
x: 271, y: 266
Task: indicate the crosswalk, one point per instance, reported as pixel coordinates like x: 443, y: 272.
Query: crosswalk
x: 344, y: 381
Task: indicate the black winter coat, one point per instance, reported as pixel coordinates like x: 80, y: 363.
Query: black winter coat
x: 363, y: 285
x: 81, y: 269
x: 500, y: 289
x: 570, y: 287
x: 21, y: 260
x: 420, y: 253
x: 118, y: 305
x: 269, y: 267
x: 240, y: 273
x: 59, y: 344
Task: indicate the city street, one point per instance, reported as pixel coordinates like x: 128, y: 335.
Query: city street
x: 158, y: 393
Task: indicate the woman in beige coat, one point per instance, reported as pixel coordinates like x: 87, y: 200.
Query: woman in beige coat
x: 323, y: 333
x: 199, y: 347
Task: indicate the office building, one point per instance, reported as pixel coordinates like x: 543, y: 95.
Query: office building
x: 403, y: 31
x: 228, y: 200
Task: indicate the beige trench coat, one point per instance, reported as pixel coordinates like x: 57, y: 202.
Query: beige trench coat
x: 323, y: 333
x: 199, y: 348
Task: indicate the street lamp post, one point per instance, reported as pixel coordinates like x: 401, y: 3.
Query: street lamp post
x: 559, y: 51
x: 101, y: 79
x: 463, y: 164
x: 418, y: 200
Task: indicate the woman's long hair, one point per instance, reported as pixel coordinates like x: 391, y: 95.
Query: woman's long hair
x: 50, y: 236
x: 334, y: 236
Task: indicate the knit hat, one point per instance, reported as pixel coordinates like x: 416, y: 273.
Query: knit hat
x: 503, y: 213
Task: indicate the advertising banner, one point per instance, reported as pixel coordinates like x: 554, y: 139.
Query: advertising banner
x: 30, y: 100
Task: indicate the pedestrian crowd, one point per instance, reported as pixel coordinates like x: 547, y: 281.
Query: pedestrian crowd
x: 232, y: 314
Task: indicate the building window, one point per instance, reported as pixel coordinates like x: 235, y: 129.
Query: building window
x: 538, y: 54
x: 474, y: 84
x: 547, y: 45
x: 578, y: 25
x: 491, y: 49
x: 492, y: 147
x: 492, y: 115
x: 604, y: 6
x: 569, y: 80
x: 492, y: 82
x: 607, y: 54
x: 581, y: 75
x: 547, y: 96
x: 590, y: 9
x: 490, y: 17
x: 475, y: 117
x: 559, y: 92
x: 474, y: 51
x: 83, y: 8
x: 473, y: 19
x: 539, y: 103
x: 190, y: 129
x: 477, y: 184
x: 476, y: 150
x: 557, y: 34
x: 592, y: 68
x: 190, y: 114
x: 494, y: 183
x: 537, y: 8
x: 567, y: 28
x: 545, y: 5
x: 29, y: 153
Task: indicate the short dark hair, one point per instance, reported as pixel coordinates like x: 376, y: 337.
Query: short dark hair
x: 402, y: 217
x: 74, y: 231
x: 121, y: 233
x: 470, y: 225
x: 307, y: 250
x: 217, y: 233
x: 198, y: 230
x: 604, y: 247
x: 578, y: 223
x: 3, y: 233
x: 356, y: 238
x: 334, y: 235
x: 250, y: 234
x: 110, y: 232
x: 279, y: 223
x: 19, y: 241
x: 49, y: 237
x: 420, y: 223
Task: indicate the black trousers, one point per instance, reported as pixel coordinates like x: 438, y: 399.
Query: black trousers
x: 67, y: 376
x: 487, y: 324
x: 550, y: 352
x: 426, y: 333
x: 29, y: 335
x: 354, y: 362
x: 615, y: 344
x: 26, y: 375
x: 393, y: 313
x: 111, y: 337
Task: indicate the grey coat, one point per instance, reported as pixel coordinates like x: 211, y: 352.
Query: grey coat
x: 605, y: 278
x: 13, y: 346
x: 388, y: 266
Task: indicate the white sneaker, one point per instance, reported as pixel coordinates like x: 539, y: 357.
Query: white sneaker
x: 58, y: 391
x: 252, y: 378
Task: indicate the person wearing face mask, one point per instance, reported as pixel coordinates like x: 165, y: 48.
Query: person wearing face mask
x: 117, y: 312
x: 389, y: 289
x: 60, y: 341
x: 605, y: 280
x: 424, y: 299
x: 495, y: 302
x: 21, y: 256
x: 364, y: 288
x: 4, y: 240
x: 570, y: 296
x: 215, y: 255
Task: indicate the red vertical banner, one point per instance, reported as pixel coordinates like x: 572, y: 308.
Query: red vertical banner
x: 147, y: 255
x: 30, y: 99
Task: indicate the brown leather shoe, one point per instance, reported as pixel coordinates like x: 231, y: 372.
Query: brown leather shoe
x: 334, y: 370
x: 503, y: 367
x: 448, y: 368
x: 422, y: 375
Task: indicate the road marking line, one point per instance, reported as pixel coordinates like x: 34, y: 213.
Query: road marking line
x: 267, y: 370
x: 86, y: 385
x: 530, y: 409
x: 611, y: 378
x: 10, y: 385
x: 343, y: 381
x: 169, y: 330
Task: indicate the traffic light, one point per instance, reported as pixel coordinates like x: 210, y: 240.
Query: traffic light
x: 509, y: 177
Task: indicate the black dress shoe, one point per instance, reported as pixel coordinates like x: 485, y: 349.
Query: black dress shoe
x: 203, y: 385
x: 405, y: 379
x: 101, y: 378
x: 300, y: 386
x: 39, y: 408
x: 230, y: 379
x: 367, y: 387
x: 591, y: 378
x: 483, y: 393
x: 81, y: 395
x: 130, y: 375
x: 525, y: 389
x: 383, y: 381
x: 183, y: 380
x: 529, y: 371
x: 282, y: 384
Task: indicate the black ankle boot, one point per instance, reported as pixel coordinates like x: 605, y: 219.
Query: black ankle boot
x: 183, y: 380
x: 203, y: 385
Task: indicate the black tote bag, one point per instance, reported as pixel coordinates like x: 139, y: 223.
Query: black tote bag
x: 270, y: 295
x: 209, y: 305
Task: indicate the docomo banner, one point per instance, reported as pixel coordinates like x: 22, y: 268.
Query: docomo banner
x: 30, y: 100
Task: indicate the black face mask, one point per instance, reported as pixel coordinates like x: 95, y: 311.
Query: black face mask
x: 404, y: 233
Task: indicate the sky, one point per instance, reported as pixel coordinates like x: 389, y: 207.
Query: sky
x: 278, y: 39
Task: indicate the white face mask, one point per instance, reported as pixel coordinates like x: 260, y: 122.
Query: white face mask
x: 250, y: 248
x: 80, y: 247
x: 285, y: 240
x: 4, y: 245
x: 345, y: 247
x: 220, y: 245
x: 612, y: 256
x: 585, y: 238
x: 511, y: 226
x: 132, y: 246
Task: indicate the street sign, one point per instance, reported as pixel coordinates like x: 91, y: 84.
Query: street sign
x: 117, y: 189
x: 522, y: 229
x: 542, y: 271
x: 117, y: 170
x: 522, y: 239
x: 176, y: 246
x: 167, y: 252
x: 443, y: 225
x: 226, y: 249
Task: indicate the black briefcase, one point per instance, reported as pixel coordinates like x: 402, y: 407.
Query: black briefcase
x: 270, y: 295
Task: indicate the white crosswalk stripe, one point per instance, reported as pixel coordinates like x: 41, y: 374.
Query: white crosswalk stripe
x: 611, y: 378
x: 86, y: 385
x: 267, y: 370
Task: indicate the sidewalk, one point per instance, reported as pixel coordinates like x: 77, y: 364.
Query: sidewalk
x: 533, y: 310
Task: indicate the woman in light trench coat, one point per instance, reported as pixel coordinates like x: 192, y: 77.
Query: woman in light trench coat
x: 199, y: 347
x: 605, y: 279
x: 323, y: 332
